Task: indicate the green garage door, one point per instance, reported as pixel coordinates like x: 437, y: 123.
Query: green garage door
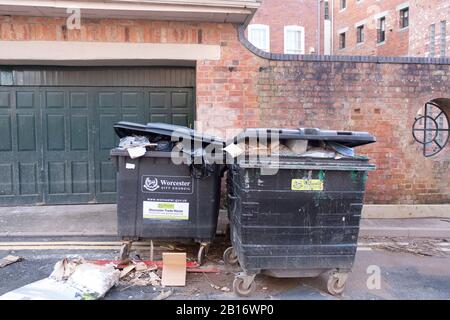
x: 55, y: 140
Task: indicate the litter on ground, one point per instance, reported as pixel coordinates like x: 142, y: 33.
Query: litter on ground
x: 9, y: 260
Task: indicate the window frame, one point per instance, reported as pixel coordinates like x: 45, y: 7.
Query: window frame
x: 342, y: 5
x: 326, y: 10
x: 342, y: 47
x: 361, y: 39
x: 380, y: 31
x: 432, y: 41
x: 266, y: 28
x: 402, y: 18
x: 443, y: 40
x: 302, y: 39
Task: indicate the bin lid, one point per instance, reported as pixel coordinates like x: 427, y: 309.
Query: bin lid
x: 346, y: 138
x: 158, y: 131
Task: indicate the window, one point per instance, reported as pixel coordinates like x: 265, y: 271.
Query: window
x: 443, y: 37
x: 432, y: 44
x: 327, y: 10
x: 343, y: 4
x: 360, y: 34
x: 294, y: 40
x: 381, y: 31
x: 342, y: 40
x: 258, y: 35
x: 404, y: 18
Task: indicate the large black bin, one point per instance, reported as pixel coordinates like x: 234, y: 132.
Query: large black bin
x: 161, y: 195
x: 301, y: 221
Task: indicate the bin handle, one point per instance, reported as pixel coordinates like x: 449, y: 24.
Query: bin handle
x: 232, y: 197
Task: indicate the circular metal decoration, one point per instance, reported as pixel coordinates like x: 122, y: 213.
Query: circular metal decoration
x: 431, y: 129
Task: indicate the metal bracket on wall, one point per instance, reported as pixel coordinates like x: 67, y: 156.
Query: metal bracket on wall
x: 431, y: 128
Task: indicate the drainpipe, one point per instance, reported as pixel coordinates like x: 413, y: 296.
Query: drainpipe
x: 318, y: 26
x: 332, y: 27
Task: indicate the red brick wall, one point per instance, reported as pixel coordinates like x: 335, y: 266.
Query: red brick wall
x: 411, y: 41
x: 242, y: 90
x: 397, y: 40
x: 379, y: 98
x: 280, y: 13
x: 425, y: 14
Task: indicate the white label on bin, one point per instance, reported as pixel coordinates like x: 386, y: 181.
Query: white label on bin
x: 167, y: 184
x: 130, y: 166
x: 166, y: 210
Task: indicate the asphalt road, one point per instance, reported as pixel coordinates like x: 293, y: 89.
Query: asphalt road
x: 402, y: 275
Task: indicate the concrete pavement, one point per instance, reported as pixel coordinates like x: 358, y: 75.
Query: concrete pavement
x: 100, y: 220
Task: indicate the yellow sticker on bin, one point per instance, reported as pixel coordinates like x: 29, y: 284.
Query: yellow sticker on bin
x: 307, y: 185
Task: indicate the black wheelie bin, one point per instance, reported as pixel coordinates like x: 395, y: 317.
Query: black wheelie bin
x: 300, y: 219
x: 167, y: 194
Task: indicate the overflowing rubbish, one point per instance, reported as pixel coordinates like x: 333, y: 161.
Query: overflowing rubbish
x: 306, y: 211
x: 306, y: 143
x: 173, y: 191
x: 70, y: 280
x: 317, y: 173
x: 191, y: 266
x: 140, y: 274
x: 135, y: 145
x: 10, y: 259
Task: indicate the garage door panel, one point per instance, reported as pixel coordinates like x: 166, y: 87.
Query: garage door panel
x: 78, y: 100
x: 107, y: 136
x: 55, y: 99
x: 158, y: 100
x: 66, y: 117
x: 26, y: 132
x: 80, y: 176
x: 107, y: 99
x: 79, y: 131
x: 28, y: 178
x: 154, y: 117
x: 132, y: 100
x: 56, y: 139
x: 25, y: 99
x: 6, y: 179
x: 180, y: 100
x: 20, y: 148
x: 132, y: 117
x: 180, y: 119
x: 5, y: 133
x: 56, y: 177
x: 5, y: 99
x: 56, y: 132
x: 107, y: 177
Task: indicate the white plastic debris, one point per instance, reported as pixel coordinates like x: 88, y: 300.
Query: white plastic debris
x: 71, y: 279
x: 95, y: 279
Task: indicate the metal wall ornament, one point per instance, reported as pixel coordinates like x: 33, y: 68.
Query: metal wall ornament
x: 431, y: 129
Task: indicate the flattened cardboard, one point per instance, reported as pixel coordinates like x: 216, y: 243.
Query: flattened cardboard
x: 174, y: 269
x: 9, y: 260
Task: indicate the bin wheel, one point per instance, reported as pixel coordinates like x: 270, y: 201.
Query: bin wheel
x: 229, y: 257
x: 240, y: 288
x: 124, y: 251
x: 201, y: 256
x: 336, y: 283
